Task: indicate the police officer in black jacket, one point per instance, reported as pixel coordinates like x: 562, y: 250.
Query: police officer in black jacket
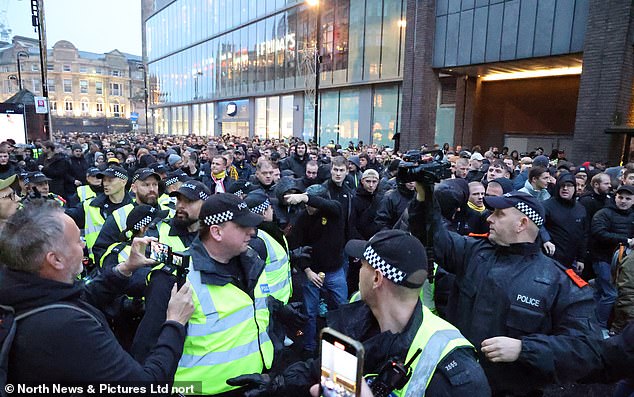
x: 531, y: 320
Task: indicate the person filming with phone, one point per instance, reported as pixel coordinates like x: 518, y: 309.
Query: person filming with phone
x: 395, y: 329
x: 64, y: 337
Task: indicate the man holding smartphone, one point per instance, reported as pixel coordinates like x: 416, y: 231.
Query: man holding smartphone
x: 394, y: 328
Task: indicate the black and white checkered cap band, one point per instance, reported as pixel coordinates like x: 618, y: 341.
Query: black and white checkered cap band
x: 203, y: 196
x: 390, y: 272
x: 171, y: 181
x: 217, y: 219
x: 239, y: 193
x: 120, y: 175
x: 261, y: 208
x: 530, y: 213
x: 143, y: 223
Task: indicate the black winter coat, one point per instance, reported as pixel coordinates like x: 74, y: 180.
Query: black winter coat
x: 66, y: 346
x: 593, y: 202
x: 78, y: 168
x: 392, y: 206
x: 520, y: 293
x: 364, y: 209
x: 59, y: 170
x: 295, y: 164
x: 568, y: 226
x: 610, y: 227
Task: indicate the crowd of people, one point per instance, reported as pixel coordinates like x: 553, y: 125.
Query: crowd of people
x: 216, y: 261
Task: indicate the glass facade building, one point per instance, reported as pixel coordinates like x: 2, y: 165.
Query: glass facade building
x: 246, y: 67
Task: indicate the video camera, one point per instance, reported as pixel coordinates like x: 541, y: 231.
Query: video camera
x: 427, y: 167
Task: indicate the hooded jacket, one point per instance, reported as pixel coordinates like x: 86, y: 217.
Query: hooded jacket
x: 59, y: 170
x: 392, y: 206
x: 295, y: 164
x: 567, y: 224
x: 66, y: 346
x: 365, y: 206
x: 286, y: 215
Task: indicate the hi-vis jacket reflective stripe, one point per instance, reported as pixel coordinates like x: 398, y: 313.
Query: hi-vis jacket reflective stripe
x: 277, y: 268
x: 93, y: 223
x: 121, y: 214
x: 437, y: 338
x: 84, y: 193
x: 226, y: 335
x: 122, y: 255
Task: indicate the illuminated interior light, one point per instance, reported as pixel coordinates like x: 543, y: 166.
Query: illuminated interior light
x: 529, y: 74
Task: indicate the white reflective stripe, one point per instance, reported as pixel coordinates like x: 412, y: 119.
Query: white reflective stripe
x: 121, y: 216
x: 279, y: 286
x: 428, y: 360
x: 224, y: 357
x: 213, y: 323
x: 275, y: 263
x: 123, y: 255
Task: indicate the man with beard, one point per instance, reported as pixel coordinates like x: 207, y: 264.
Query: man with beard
x: 91, y: 214
x: 310, y: 177
x: 598, y: 196
x: 183, y: 228
x: 93, y: 186
x: 145, y: 186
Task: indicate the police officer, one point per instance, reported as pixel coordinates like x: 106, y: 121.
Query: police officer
x: 173, y: 182
x: 393, y: 326
x: 530, y: 318
x: 145, y: 187
x: 125, y: 312
x: 93, y: 186
x: 90, y: 215
x: 36, y: 184
x: 227, y: 334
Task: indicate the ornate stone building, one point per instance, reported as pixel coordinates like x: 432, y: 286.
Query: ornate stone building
x: 87, y: 91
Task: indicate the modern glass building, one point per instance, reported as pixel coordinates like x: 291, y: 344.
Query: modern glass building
x: 247, y: 67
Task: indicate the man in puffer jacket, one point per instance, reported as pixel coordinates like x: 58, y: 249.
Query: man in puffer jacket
x: 394, y: 203
x: 611, y: 226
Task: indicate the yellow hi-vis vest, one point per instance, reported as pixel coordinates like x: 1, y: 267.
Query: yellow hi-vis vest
x: 123, y: 254
x: 437, y: 338
x: 277, y: 268
x: 84, y: 193
x: 226, y: 335
x: 174, y: 242
x: 93, y: 222
x: 121, y: 214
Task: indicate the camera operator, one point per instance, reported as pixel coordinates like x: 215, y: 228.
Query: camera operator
x: 531, y: 320
x: 71, y: 343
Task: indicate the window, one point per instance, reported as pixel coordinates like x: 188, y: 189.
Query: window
x: 51, y: 85
x: 68, y: 105
x: 50, y: 67
x: 99, y: 107
x: 115, y: 107
x: 98, y: 71
x: 98, y: 87
x: 66, y: 67
x: 35, y: 67
x: 53, y: 106
x: 84, y: 106
x: 68, y: 85
x: 116, y: 72
x: 83, y: 69
x: 115, y: 89
x: 83, y: 86
x: 36, y: 85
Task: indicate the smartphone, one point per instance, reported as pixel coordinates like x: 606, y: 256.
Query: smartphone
x: 181, y: 262
x: 159, y: 252
x: 341, y: 364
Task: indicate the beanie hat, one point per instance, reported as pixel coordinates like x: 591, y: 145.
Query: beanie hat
x: 173, y: 159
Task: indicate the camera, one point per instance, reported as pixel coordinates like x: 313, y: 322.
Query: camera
x: 427, y: 167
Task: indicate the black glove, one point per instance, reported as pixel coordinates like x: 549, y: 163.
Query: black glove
x: 258, y: 385
x: 301, y: 253
x: 292, y: 317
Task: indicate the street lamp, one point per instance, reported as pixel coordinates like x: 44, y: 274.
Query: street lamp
x: 145, y: 96
x: 19, y: 55
x: 315, y: 4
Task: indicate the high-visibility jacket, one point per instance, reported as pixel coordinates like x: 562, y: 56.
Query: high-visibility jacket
x: 84, y: 193
x: 277, y: 268
x: 121, y: 214
x: 93, y: 221
x: 226, y: 335
x: 436, y: 338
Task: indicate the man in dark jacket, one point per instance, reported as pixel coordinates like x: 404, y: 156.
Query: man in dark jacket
x: 567, y: 224
x: 321, y: 227
x: 78, y: 165
x: 245, y: 170
x: 310, y: 176
x: 531, y: 321
x: 296, y: 162
x: 71, y: 343
x: 598, y: 196
x: 394, y: 203
x: 611, y: 226
x: 339, y: 188
x: 56, y: 166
